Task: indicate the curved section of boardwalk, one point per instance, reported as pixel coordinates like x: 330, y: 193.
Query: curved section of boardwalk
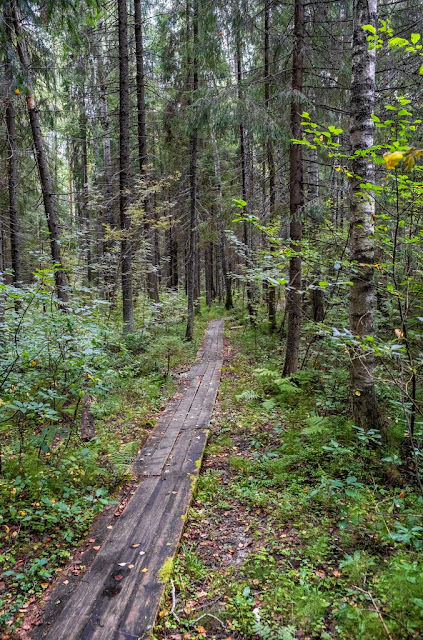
x: 119, y: 596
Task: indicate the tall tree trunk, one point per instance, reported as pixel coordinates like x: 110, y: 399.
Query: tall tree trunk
x: 243, y: 162
x: 219, y: 223
x: 296, y: 200
x: 41, y: 155
x: 271, y: 291
x: 83, y: 194
x: 152, y: 270
x: 12, y: 161
x: 109, y: 269
x: 362, y: 297
x: 192, y: 247
x: 172, y: 242
x: 125, y: 165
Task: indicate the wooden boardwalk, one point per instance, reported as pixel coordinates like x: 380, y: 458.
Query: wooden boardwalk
x: 119, y: 596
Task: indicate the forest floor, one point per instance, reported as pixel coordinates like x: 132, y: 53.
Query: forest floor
x: 49, y: 502
x: 303, y: 526
x: 298, y: 529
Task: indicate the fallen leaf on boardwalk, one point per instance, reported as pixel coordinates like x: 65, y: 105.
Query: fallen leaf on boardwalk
x: 110, y: 526
x: 142, y: 553
x: 136, y: 545
x: 122, y: 564
x: 144, y: 570
x: 119, y: 577
x: 131, y: 566
x: 96, y: 548
x: 66, y: 582
x: 91, y: 540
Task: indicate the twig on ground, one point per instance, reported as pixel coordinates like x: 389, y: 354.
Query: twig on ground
x: 172, y: 611
x: 210, y: 615
x: 377, y: 610
x: 204, y: 615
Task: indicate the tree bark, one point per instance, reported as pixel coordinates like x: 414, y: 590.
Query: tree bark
x: 219, y: 223
x: 12, y: 161
x: 296, y: 201
x: 109, y: 269
x: 364, y: 405
x: 243, y: 163
x: 192, y: 247
x: 271, y: 291
x: 41, y: 156
x: 125, y: 165
x: 152, y: 270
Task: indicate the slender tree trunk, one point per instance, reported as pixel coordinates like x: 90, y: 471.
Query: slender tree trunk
x: 125, y: 165
x: 219, y: 223
x: 365, y: 409
x: 173, y: 276
x: 243, y: 163
x: 84, y: 212
x: 152, y: 272
x: 208, y: 272
x: 296, y: 201
x: 192, y: 248
x: 109, y: 269
x: 41, y: 155
x: 271, y: 291
x: 12, y: 161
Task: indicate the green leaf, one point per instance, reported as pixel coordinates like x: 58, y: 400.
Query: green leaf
x: 415, y: 37
x: 398, y: 42
x: 369, y: 27
x: 421, y: 70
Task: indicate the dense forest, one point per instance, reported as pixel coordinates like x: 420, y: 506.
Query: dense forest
x: 164, y: 163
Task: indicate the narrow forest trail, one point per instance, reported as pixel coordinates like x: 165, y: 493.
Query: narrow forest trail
x: 118, y: 597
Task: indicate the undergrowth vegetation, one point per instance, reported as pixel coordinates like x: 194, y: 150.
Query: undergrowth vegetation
x: 54, y: 479
x: 304, y: 526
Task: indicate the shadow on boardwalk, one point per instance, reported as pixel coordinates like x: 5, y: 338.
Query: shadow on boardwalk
x: 118, y: 597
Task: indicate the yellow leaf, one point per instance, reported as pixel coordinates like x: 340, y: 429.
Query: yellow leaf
x: 392, y: 159
x: 144, y: 570
x: 409, y: 161
x: 357, y: 393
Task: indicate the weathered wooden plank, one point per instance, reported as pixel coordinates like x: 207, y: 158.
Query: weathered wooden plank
x: 116, y: 599
x: 76, y: 612
x: 141, y: 611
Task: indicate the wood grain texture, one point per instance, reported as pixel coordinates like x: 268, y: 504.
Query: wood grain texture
x: 119, y: 596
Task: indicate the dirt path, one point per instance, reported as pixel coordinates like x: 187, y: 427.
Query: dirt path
x: 118, y: 597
